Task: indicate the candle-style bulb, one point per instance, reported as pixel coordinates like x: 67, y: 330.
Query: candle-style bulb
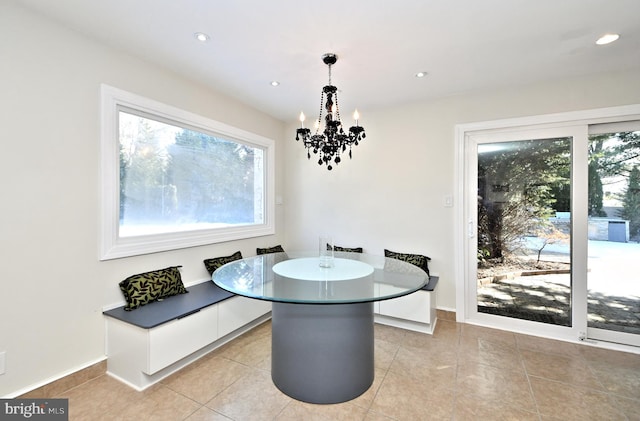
x: 301, y: 119
x: 356, y: 116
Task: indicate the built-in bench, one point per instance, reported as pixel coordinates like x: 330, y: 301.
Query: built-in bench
x: 151, y: 342
x: 415, y: 311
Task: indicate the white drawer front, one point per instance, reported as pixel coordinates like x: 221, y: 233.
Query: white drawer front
x: 238, y: 311
x: 415, y: 307
x: 175, y: 340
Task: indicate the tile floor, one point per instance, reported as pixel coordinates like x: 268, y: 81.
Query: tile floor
x: 462, y: 372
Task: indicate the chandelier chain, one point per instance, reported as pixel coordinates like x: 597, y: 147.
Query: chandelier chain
x: 319, y: 120
x: 337, y: 116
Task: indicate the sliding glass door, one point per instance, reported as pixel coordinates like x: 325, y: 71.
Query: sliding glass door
x: 552, y: 236
x: 521, y: 266
x: 524, y: 229
x: 614, y: 233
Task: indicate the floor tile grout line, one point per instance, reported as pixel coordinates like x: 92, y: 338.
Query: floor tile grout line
x: 605, y: 392
x: 198, y: 409
x: 283, y: 409
x: 528, y: 376
x: 564, y: 383
x: 594, y: 373
x: 181, y: 394
x: 523, y: 367
x: 375, y: 395
x: 223, y: 389
x: 386, y: 371
x: 458, y: 345
x: 64, y: 392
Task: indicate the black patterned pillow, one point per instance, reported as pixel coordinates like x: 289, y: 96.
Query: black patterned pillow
x: 274, y: 249
x: 415, y: 259
x: 147, y: 287
x: 216, y: 262
x: 348, y: 249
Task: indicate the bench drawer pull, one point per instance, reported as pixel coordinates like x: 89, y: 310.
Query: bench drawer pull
x: 188, y: 314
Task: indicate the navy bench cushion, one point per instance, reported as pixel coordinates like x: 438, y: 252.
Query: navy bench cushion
x: 174, y: 307
x: 431, y: 285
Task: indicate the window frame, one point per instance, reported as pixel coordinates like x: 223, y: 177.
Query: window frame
x: 112, y: 246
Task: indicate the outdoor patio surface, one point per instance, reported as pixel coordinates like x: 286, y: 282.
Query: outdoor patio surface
x: 613, y: 288
x: 545, y: 298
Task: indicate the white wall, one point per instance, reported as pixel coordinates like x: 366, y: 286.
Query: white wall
x: 53, y: 288
x: 391, y: 194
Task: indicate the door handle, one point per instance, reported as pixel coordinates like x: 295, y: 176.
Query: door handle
x: 471, y: 229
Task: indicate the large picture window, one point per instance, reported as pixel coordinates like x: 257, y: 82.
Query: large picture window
x: 172, y: 179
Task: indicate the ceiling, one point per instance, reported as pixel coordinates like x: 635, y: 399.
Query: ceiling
x: 464, y: 45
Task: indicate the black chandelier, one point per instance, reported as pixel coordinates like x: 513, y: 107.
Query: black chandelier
x: 329, y: 143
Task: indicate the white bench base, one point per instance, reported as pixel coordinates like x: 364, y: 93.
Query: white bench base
x: 415, y: 312
x: 141, y: 357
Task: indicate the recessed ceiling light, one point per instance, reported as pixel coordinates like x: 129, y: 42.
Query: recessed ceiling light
x: 275, y: 83
x: 420, y: 74
x: 607, y: 39
x: 201, y: 36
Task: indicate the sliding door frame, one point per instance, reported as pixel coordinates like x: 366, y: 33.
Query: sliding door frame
x: 576, y: 123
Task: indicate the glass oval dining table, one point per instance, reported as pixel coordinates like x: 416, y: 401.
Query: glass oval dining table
x: 322, y: 346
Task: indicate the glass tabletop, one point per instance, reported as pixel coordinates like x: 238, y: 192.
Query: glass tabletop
x: 298, y: 278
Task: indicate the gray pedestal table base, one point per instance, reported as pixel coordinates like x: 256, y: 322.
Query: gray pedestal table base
x: 322, y: 353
